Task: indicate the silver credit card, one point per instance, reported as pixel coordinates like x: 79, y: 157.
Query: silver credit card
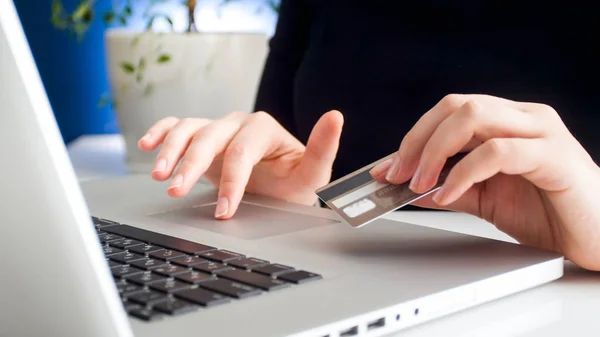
x: 359, y: 199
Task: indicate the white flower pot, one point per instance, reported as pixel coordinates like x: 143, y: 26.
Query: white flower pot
x: 208, y: 75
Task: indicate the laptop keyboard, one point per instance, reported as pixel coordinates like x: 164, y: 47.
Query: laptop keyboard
x: 159, y: 275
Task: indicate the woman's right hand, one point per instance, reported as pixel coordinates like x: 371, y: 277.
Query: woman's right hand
x: 244, y: 152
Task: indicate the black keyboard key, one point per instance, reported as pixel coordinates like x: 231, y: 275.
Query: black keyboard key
x: 127, y: 289
x: 173, y: 306
x: 170, y: 285
x: 108, y: 237
x: 148, y: 263
x: 145, y: 248
x: 254, y: 279
x: 125, y: 270
x: 158, y: 239
x: 112, y: 263
x: 202, y: 297
x: 299, y: 276
x: 273, y: 269
x: 211, y: 267
x: 125, y: 243
x: 147, y: 297
x: 99, y: 223
x: 194, y: 277
x: 221, y: 255
x: 230, y: 288
x: 108, y: 250
x: 145, y: 278
x: 126, y: 257
x: 166, y: 254
x: 131, y: 306
x: 169, y: 270
x: 145, y: 314
x: 188, y: 261
x: 249, y: 262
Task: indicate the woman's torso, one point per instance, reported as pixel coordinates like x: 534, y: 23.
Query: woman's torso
x: 384, y: 63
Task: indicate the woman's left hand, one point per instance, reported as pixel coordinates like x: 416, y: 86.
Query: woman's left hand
x: 525, y: 173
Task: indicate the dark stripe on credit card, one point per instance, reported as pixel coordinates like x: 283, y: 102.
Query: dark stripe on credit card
x: 346, y: 185
x: 359, y: 199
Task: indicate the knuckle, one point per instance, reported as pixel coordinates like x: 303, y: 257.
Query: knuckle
x: 236, y: 115
x: 453, y: 101
x: 187, y: 121
x: 470, y: 110
x: 409, y: 141
x: 548, y: 112
x: 496, y: 147
x: 262, y: 116
x: 169, y: 120
x: 237, y: 150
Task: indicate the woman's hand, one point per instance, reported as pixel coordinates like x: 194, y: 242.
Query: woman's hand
x: 525, y: 172
x: 244, y: 152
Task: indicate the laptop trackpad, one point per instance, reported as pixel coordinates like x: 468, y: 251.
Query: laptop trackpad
x: 250, y: 222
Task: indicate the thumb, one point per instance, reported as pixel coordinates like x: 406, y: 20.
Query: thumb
x: 321, y: 149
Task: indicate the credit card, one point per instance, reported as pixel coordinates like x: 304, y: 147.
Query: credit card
x: 359, y: 199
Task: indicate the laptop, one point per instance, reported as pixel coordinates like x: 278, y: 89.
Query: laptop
x: 120, y: 258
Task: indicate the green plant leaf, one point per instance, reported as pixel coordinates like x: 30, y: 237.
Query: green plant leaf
x: 58, y: 23
x: 136, y: 40
x: 88, y: 17
x: 123, y: 20
x: 150, y: 22
x: 149, y: 89
x: 81, y: 10
x: 164, y: 58
x: 57, y: 8
x: 127, y: 10
x: 274, y: 5
x: 128, y: 67
x: 80, y: 30
x: 109, y: 17
x: 142, y: 64
x: 139, y: 77
x: 154, y: 17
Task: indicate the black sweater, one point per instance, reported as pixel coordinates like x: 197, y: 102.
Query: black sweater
x: 384, y: 63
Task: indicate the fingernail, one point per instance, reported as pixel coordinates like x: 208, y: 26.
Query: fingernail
x: 381, y: 167
x: 393, y: 171
x: 440, y: 196
x: 145, y: 138
x: 414, y: 182
x: 176, y: 182
x: 160, y: 165
x: 222, y: 207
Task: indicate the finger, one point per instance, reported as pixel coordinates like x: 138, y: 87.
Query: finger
x: 513, y: 156
x: 407, y: 158
x: 208, y: 142
x: 413, y: 143
x: 378, y: 172
x: 321, y: 149
x: 468, y: 202
x: 251, y: 143
x: 174, y: 145
x: 472, y: 121
x: 157, y: 133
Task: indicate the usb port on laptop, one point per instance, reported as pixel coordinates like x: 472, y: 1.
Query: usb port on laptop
x: 350, y: 332
x: 379, y: 323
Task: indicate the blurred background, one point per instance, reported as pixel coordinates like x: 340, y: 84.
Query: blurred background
x: 70, y: 44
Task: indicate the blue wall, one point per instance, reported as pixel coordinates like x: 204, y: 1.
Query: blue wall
x: 73, y: 72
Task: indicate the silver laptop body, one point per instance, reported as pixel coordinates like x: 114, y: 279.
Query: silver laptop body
x: 372, y: 281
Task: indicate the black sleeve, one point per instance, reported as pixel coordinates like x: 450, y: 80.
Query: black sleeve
x: 287, y: 46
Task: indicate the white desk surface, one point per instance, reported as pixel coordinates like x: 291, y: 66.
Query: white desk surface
x: 567, y: 307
